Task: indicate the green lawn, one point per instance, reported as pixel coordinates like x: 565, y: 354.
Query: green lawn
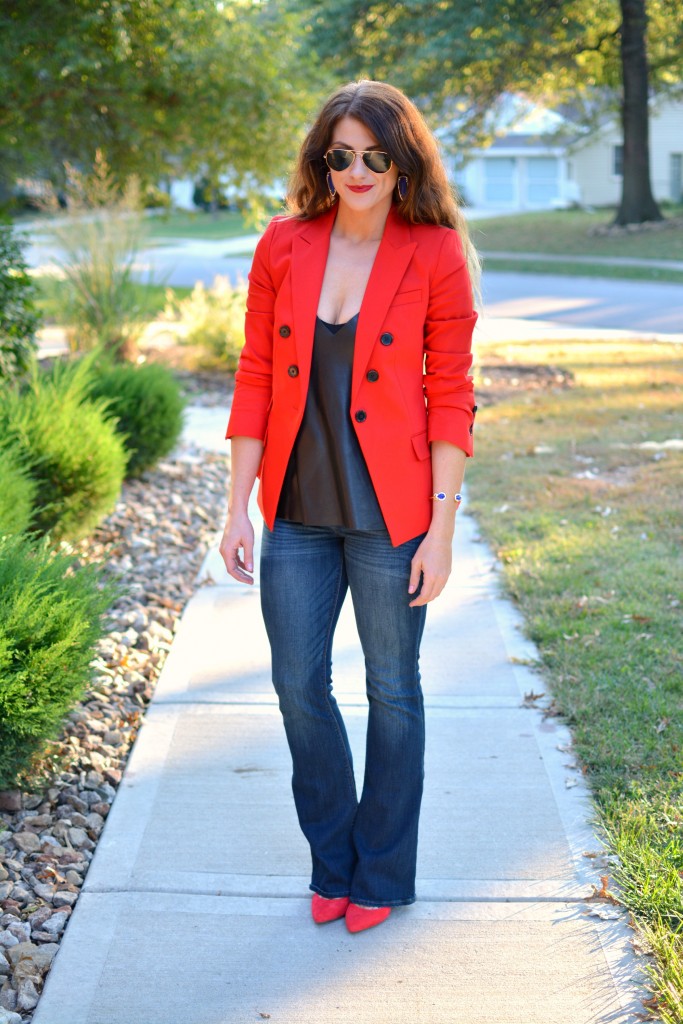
x: 224, y: 224
x: 565, y: 232
x: 566, y: 268
x: 587, y: 525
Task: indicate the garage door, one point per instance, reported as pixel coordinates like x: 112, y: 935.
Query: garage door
x: 500, y: 181
x: 542, y: 184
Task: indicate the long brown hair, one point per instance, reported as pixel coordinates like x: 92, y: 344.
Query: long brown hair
x: 401, y: 130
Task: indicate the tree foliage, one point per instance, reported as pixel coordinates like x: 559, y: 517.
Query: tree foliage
x: 455, y: 59
x: 18, y: 315
x: 562, y: 49
x: 164, y: 86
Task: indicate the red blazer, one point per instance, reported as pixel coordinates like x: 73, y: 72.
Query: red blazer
x: 412, y: 355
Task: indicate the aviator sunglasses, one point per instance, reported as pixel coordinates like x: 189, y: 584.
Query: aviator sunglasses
x: 374, y: 159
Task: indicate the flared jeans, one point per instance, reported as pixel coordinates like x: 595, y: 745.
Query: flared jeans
x: 366, y: 847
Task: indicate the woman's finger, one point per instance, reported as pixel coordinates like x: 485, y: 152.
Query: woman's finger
x: 415, y: 573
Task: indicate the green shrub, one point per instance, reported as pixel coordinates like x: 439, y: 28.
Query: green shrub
x: 70, y: 447
x: 49, y: 622
x: 17, y: 492
x: 99, y: 237
x: 148, y: 406
x: 213, y: 318
x: 18, y: 316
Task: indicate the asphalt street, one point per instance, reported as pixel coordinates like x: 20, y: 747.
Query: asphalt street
x: 564, y: 301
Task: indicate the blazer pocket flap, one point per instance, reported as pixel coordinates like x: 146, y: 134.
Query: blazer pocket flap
x: 421, y: 445
x: 403, y: 298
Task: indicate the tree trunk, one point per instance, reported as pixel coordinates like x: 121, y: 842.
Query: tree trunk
x: 637, y: 202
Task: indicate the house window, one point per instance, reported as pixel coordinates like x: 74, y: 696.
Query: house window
x: 677, y: 177
x: 618, y: 161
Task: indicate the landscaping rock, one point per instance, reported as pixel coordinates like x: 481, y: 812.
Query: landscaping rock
x: 27, y: 842
x: 55, y: 924
x: 40, y: 956
x: 7, y: 1017
x: 8, y: 1001
x: 64, y: 898
x: 39, y: 917
x: 27, y: 993
x: 79, y: 837
x: 44, y: 891
x: 21, y: 929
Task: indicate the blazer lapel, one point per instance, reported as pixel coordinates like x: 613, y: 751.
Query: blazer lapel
x: 391, y: 262
x: 309, y: 257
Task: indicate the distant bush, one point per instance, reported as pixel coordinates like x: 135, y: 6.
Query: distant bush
x: 213, y: 318
x: 18, y: 315
x: 17, y: 492
x: 148, y: 406
x: 154, y: 198
x: 70, y: 447
x: 49, y: 622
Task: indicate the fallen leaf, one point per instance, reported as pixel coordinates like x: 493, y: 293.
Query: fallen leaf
x: 530, y: 697
x: 569, y: 783
x: 592, y: 853
x: 662, y: 724
x: 266, y: 1016
x: 603, y: 892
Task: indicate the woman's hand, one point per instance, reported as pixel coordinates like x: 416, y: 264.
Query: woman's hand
x: 238, y: 535
x: 433, y: 559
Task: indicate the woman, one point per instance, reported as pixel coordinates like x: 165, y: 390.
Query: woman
x: 354, y: 406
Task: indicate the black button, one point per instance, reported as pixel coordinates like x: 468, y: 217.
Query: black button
x: 372, y: 375
x: 474, y: 410
x: 387, y: 338
x: 361, y: 416
x: 293, y: 371
x: 285, y: 331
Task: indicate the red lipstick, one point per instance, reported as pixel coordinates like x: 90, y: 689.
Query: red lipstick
x: 359, y: 188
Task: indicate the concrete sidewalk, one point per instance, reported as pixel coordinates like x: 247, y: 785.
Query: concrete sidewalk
x: 195, y: 909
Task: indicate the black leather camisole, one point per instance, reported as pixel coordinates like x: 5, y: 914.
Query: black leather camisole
x: 327, y: 481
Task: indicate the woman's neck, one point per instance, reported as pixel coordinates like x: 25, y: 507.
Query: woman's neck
x: 361, y: 226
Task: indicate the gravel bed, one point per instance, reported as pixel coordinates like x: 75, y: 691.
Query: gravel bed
x: 155, y: 541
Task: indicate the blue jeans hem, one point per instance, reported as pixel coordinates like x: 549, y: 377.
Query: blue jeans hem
x: 384, y: 903
x: 328, y: 895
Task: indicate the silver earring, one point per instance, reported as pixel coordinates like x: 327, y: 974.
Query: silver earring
x: 331, y: 188
x: 402, y: 186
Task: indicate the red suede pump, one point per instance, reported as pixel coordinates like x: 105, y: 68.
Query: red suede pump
x: 324, y: 910
x: 359, y: 918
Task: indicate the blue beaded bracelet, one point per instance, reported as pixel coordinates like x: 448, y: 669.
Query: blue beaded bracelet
x: 441, y: 496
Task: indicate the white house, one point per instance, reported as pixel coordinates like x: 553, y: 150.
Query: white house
x: 595, y: 161
x: 541, y: 160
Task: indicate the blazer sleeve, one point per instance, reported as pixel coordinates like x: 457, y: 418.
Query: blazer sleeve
x: 253, y: 377
x: 450, y: 321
